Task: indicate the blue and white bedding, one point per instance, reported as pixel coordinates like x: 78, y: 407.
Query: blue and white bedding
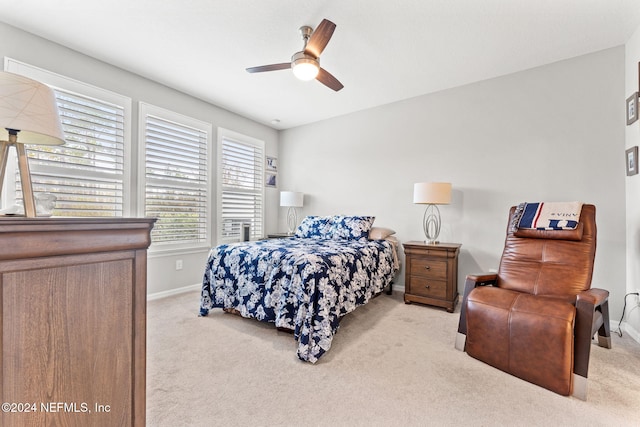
x: 305, y: 284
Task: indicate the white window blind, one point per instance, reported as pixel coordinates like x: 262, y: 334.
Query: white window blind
x: 86, y: 173
x: 176, y: 178
x: 241, y: 187
x: 89, y: 174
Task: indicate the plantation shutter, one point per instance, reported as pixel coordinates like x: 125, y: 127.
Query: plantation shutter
x: 86, y: 173
x: 242, y: 175
x: 176, y: 181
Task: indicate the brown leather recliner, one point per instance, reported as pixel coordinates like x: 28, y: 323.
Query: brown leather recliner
x: 537, y: 316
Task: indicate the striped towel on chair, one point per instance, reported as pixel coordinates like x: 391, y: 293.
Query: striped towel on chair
x: 548, y: 215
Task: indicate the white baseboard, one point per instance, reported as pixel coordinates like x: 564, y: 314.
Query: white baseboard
x: 165, y: 294
x: 397, y: 288
x: 633, y: 333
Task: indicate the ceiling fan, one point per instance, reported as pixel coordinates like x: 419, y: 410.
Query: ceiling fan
x: 306, y: 63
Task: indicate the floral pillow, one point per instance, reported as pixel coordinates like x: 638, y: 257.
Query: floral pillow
x: 351, y: 227
x: 314, y: 227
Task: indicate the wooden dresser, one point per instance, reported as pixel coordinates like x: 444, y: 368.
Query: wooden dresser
x: 431, y: 275
x: 73, y: 321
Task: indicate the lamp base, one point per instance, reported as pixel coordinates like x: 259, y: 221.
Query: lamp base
x: 25, y: 175
x: 431, y: 224
x: 292, y: 220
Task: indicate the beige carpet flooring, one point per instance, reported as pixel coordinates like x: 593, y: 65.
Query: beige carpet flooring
x: 390, y: 364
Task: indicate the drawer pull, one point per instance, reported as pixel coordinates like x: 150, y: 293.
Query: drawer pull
x: 426, y: 267
x: 427, y: 286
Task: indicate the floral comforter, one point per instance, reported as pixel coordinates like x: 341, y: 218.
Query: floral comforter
x: 302, y: 284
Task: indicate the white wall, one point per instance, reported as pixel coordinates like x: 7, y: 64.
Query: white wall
x: 632, y: 137
x: 563, y: 122
x: 553, y: 133
x: 42, y: 53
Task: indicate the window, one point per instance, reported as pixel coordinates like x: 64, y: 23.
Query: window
x: 89, y: 173
x: 240, y: 186
x: 176, y: 184
x: 86, y: 173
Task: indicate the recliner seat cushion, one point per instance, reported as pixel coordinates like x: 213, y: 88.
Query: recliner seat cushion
x: 525, y: 335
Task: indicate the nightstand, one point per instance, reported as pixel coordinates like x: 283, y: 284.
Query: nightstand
x: 431, y: 275
x: 279, y: 235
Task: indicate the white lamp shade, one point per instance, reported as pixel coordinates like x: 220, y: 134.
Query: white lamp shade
x: 291, y: 199
x: 435, y: 193
x: 30, y: 107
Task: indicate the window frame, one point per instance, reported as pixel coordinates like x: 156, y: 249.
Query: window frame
x: 145, y: 109
x: 243, y: 139
x: 81, y: 89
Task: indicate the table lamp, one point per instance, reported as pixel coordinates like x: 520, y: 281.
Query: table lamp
x: 29, y: 113
x: 432, y: 194
x: 292, y: 200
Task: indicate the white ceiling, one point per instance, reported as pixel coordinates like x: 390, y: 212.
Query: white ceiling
x: 382, y: 51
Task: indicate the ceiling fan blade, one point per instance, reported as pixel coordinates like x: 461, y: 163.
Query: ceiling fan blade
x: 272, y: 67
x: 328, y: 80
x: 319, y: 38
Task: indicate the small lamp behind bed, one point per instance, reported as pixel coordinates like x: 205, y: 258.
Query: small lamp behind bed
x: 292, y: 200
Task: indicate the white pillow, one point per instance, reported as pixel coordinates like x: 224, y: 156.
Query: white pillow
x: 378, y: 233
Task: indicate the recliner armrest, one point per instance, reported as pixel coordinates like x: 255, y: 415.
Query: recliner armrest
x: 593, y: 296
x: 483, y: 279
x: 592, y: 314
x: 472, y: 282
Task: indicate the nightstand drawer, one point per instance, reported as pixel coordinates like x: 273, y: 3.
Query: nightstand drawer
x: 428, y: 287
x: 428, y: 267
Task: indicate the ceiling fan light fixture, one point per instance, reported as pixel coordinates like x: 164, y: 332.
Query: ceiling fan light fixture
x: 306, y: 63
x: 305, y: 67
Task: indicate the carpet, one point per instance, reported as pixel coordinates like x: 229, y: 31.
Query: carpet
x: 390, y: 364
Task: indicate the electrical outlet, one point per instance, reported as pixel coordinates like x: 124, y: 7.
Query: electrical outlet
x: 178, y: 264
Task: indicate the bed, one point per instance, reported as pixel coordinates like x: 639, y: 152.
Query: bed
x: 305, y: 283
